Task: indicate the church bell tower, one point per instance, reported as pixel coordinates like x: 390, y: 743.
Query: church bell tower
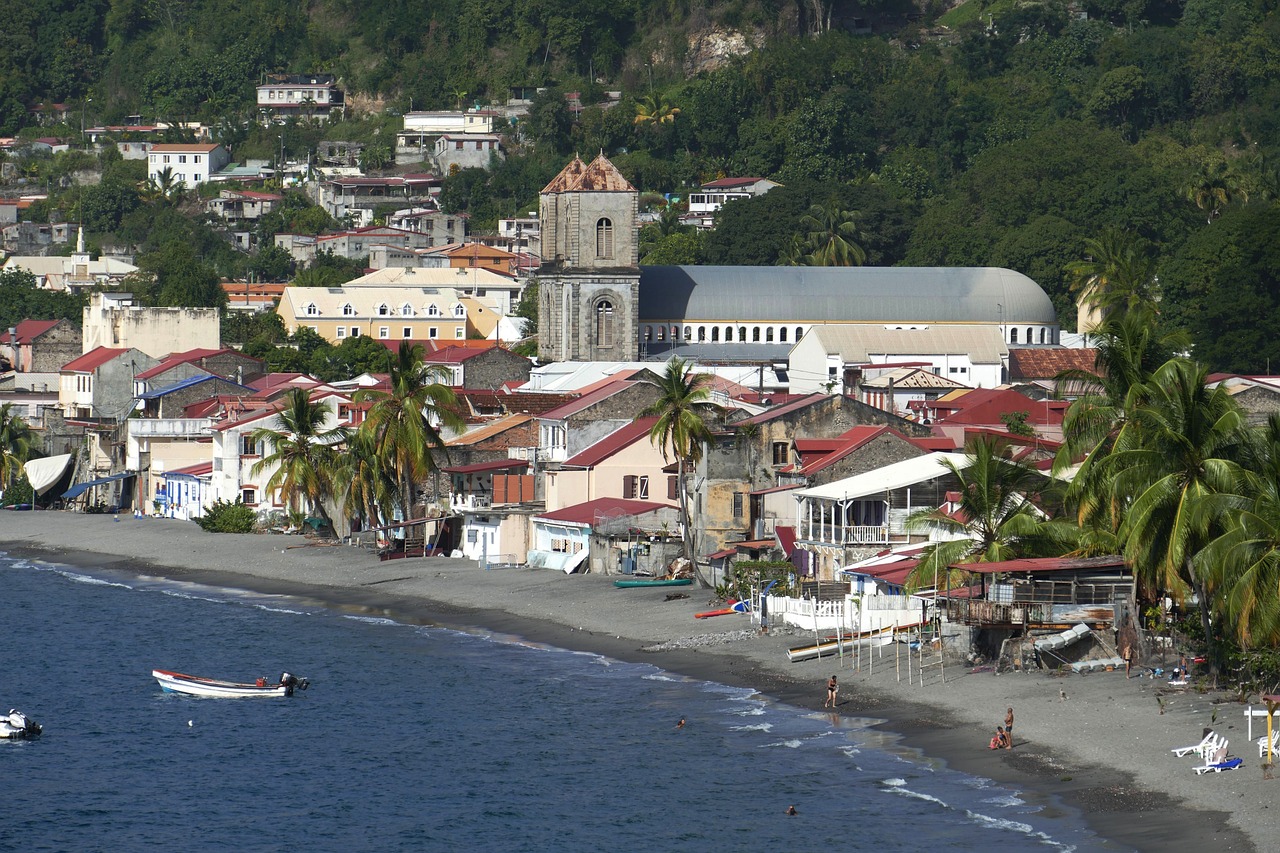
x: 589, y: 282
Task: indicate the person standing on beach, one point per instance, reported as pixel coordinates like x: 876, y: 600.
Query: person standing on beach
x: 1008, y: 728
x: 831, y: 693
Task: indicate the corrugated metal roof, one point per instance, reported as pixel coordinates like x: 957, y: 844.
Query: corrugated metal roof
x: 587, y: 513
x: 600, y: 176
x: 859, y: 343
x: 93, y: 359
x: 492, y: 465
x: 848, y: 294
x: 899, y: 475
x: 612, y: 443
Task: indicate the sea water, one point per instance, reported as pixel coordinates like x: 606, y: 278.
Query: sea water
x: 421, y: 738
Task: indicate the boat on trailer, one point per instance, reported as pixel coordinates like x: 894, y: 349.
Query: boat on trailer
x: 192, y: 685
x: 829, y: 646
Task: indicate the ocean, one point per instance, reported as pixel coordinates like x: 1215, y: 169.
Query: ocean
x: 421, y: 738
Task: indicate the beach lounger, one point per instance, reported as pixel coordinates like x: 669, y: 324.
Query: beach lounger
x: 1275, y: 744
x: 1210, y: 740
x: 1219, y: 766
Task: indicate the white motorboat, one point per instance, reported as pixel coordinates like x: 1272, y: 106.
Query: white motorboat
x: 17, y: 726
x: 192, y: 685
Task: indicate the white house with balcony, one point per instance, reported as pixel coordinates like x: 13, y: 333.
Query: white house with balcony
x: 235, y: 452
x: 852, y: 519
x: 314, y: 96
x: 713, y: 195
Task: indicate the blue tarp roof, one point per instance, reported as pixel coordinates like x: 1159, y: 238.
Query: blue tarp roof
x: 80, y: 488
x: 185, y: 383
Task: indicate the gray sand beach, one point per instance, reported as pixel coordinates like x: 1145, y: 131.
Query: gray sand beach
x: 1103, y: 749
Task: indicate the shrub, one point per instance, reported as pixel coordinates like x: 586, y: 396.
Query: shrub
x: 226, y: 517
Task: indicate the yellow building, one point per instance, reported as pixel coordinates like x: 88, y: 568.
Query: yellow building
x: 396, y: 312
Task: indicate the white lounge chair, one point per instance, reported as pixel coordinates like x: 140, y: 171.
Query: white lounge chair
x: 1275, y: 744
x: 1218, y: 766
x: 1210, y: 740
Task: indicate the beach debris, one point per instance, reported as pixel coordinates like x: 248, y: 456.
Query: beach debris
x: 676, y: 596
x: 1062, y: 695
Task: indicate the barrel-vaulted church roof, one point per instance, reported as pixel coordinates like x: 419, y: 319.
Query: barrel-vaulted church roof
x: 915, y: 295
x: 600, y: 176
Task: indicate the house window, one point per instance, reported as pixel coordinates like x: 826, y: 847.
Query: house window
x: 348, y: 310
x: 781, y: 453
x: 406, y: 332
x: 195, y: 159
x: 635, y: 488
x: 382, y: 310
x: 433, y: 332
x: 355, y: 331
x: 737, y: 504
x: 182, y: 158
x: 249, y: 496
x: 604, y: 323
x: 459, y: 332
x: 341, y: 332
x: 311, y: 310
x: 459, y: 310
x: 432, y: 310
x: 248, y: 447
x: 406, y: 310
x: 604, y: 238
x: 384, y: 332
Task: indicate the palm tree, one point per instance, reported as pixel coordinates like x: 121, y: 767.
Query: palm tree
x: 1213, y: 186
x: 1114, y: 272
x: 16, y: 443
x: 995, y: 518
x: 1244, y: 562
x: 832, y: 234
x: 681, y: 431
x: 302, y: 454
x: 405, y: 421
x: 1170, y: 458
x: 366, y: 490
x: 654, y: 110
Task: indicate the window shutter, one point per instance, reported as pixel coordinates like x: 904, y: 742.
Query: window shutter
x: 629, y: 486
x: 673, y: 488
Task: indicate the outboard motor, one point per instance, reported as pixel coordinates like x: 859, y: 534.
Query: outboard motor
x: 289, y: 681
x: 26, y: 726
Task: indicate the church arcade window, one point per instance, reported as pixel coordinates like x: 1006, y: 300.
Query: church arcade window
x: 1013, y: 336
x: 1042, y: 330
x: 604, y: 238
x: 768, y: 334
x: 604, y: 323
x: 715, y: 334
x: 782, y: 334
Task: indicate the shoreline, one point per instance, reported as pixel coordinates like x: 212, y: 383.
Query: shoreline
x: 1103, y: 752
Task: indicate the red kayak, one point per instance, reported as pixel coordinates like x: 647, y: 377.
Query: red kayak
x: 723, y: 611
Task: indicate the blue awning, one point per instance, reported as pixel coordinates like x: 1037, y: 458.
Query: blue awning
x: 80, y: 488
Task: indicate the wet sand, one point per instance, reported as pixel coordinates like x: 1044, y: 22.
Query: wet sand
x: 1104, y: 749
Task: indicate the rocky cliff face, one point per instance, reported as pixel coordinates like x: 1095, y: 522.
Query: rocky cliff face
x: 713, y: 48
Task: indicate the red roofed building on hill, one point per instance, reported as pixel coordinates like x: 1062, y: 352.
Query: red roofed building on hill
x: 40, y: 346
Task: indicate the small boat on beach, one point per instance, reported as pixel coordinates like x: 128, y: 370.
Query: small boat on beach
x: 829, y: 646
x: 176, y: 682
x: 640, y: 583
x: 18, y: 726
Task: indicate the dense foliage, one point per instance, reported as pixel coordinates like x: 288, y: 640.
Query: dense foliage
x: 227, y: 517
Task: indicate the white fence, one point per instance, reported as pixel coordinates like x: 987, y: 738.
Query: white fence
x: 851, y: 613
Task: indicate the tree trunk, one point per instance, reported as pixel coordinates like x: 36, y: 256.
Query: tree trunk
x: 686, y: 538
x: 1210, y: 644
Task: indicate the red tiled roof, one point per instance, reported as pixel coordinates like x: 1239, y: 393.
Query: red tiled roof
x: 589, y: 512
x: 612, y: 443
x: 178, y: 358
x: 28, y: 330
x: 985, y: 406
x: 614, y: 386
x: 787, y: 408
x: 93, y: 359
x: 1047, y: 363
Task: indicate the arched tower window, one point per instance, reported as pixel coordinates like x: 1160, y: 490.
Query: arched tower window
x: 1028, y: 334
x: 768, y: 334
x: 715, y: 334
x: 782, y: 335
x: 604, y: 238
x: 1042, y: 331
x: 604, y: 323
x: 799, y: 333
x: 1013, y: 336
